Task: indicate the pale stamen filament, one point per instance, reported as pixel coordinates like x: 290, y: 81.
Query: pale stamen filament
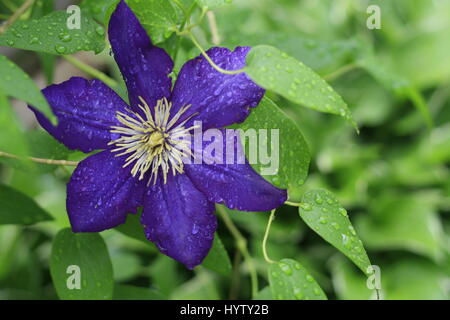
x: 154, y: 142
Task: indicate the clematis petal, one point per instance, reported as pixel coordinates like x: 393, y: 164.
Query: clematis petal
x: 219, y: 99
x: 179, y: 220
x: 145, y: 68
x: 232, y: 181
x: 85, y: 109
x: 101, y: 193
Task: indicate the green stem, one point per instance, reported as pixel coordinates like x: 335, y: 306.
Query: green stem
x: 16, y: 15
x: 235, y: 278
x: 215, y: 66
x: 241, y: 244
x: 91, y: 71
x: 266, y: 236
x: 294, y: 204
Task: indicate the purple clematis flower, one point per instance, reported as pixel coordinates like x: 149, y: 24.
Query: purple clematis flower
x: 140, y: 164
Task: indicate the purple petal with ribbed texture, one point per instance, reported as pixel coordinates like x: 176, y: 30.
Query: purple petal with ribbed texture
x: 86, y: 110
x: 179, y: 220
x: 101, y: 193
x: 219, y: 99
x: 235, y: 184
x: 145, y: 68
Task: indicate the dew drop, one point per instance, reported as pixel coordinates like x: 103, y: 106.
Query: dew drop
x: 60, y: 49
x: 336, y: 226
x: 65, y: 37
x: 285, y: 268
x: 100, y: 31
x: 318, y: 199
x: 323, y: 220
x: 298, y: 293
x: 305, y: 206
x: 34, y: 40
x: 343, y: 212
x: 352, y: 230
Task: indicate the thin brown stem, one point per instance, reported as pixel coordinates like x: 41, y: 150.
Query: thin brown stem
x: 339, y: 72
x: 213, y: 27
x: 40, y: 160
x: 16, y: 15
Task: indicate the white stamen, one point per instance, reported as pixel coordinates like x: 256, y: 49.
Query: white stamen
x: 155, y: 142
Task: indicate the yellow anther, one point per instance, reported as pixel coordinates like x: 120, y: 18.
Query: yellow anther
x: 156, y: 139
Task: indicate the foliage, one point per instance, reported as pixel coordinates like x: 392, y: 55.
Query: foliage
x: 391, y: 173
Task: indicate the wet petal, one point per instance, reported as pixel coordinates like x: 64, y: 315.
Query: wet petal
x: 179, y: 220
x: 86, y: 110
x: 232, y: 182
x: 101, y: 193
x: 145, y: 68
x: 219, y: 99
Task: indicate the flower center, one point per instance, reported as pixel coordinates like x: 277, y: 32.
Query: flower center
x: 154, y: 141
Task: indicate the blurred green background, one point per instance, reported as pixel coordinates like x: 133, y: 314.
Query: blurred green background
x: 393, y: 178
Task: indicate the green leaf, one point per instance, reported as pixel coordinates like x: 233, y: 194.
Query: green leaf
x: 12, y: 139
x: 88, y: 252
x: 201, y: 287
x: 159, y: 18
x: 291, y: 148
x: 126, y: 292
x: 134, y: 229
x: 165, y: 274
x: 414, y: 278
x: 277, y: 71
x: 289, y: 280
x: 322, y: 212
x: 349, y: 283
x: 18, y: 84
x: 322, y: 56
x: 101, y: 10
x: 126, y: 265
x: 405, y: 222
x: 264, y: 294
x: 397, y: 84
x: 50, y: 34
x: 218, y: 259
x: 43, y: 145
x: 18, y: 208
x: 213, y: 4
